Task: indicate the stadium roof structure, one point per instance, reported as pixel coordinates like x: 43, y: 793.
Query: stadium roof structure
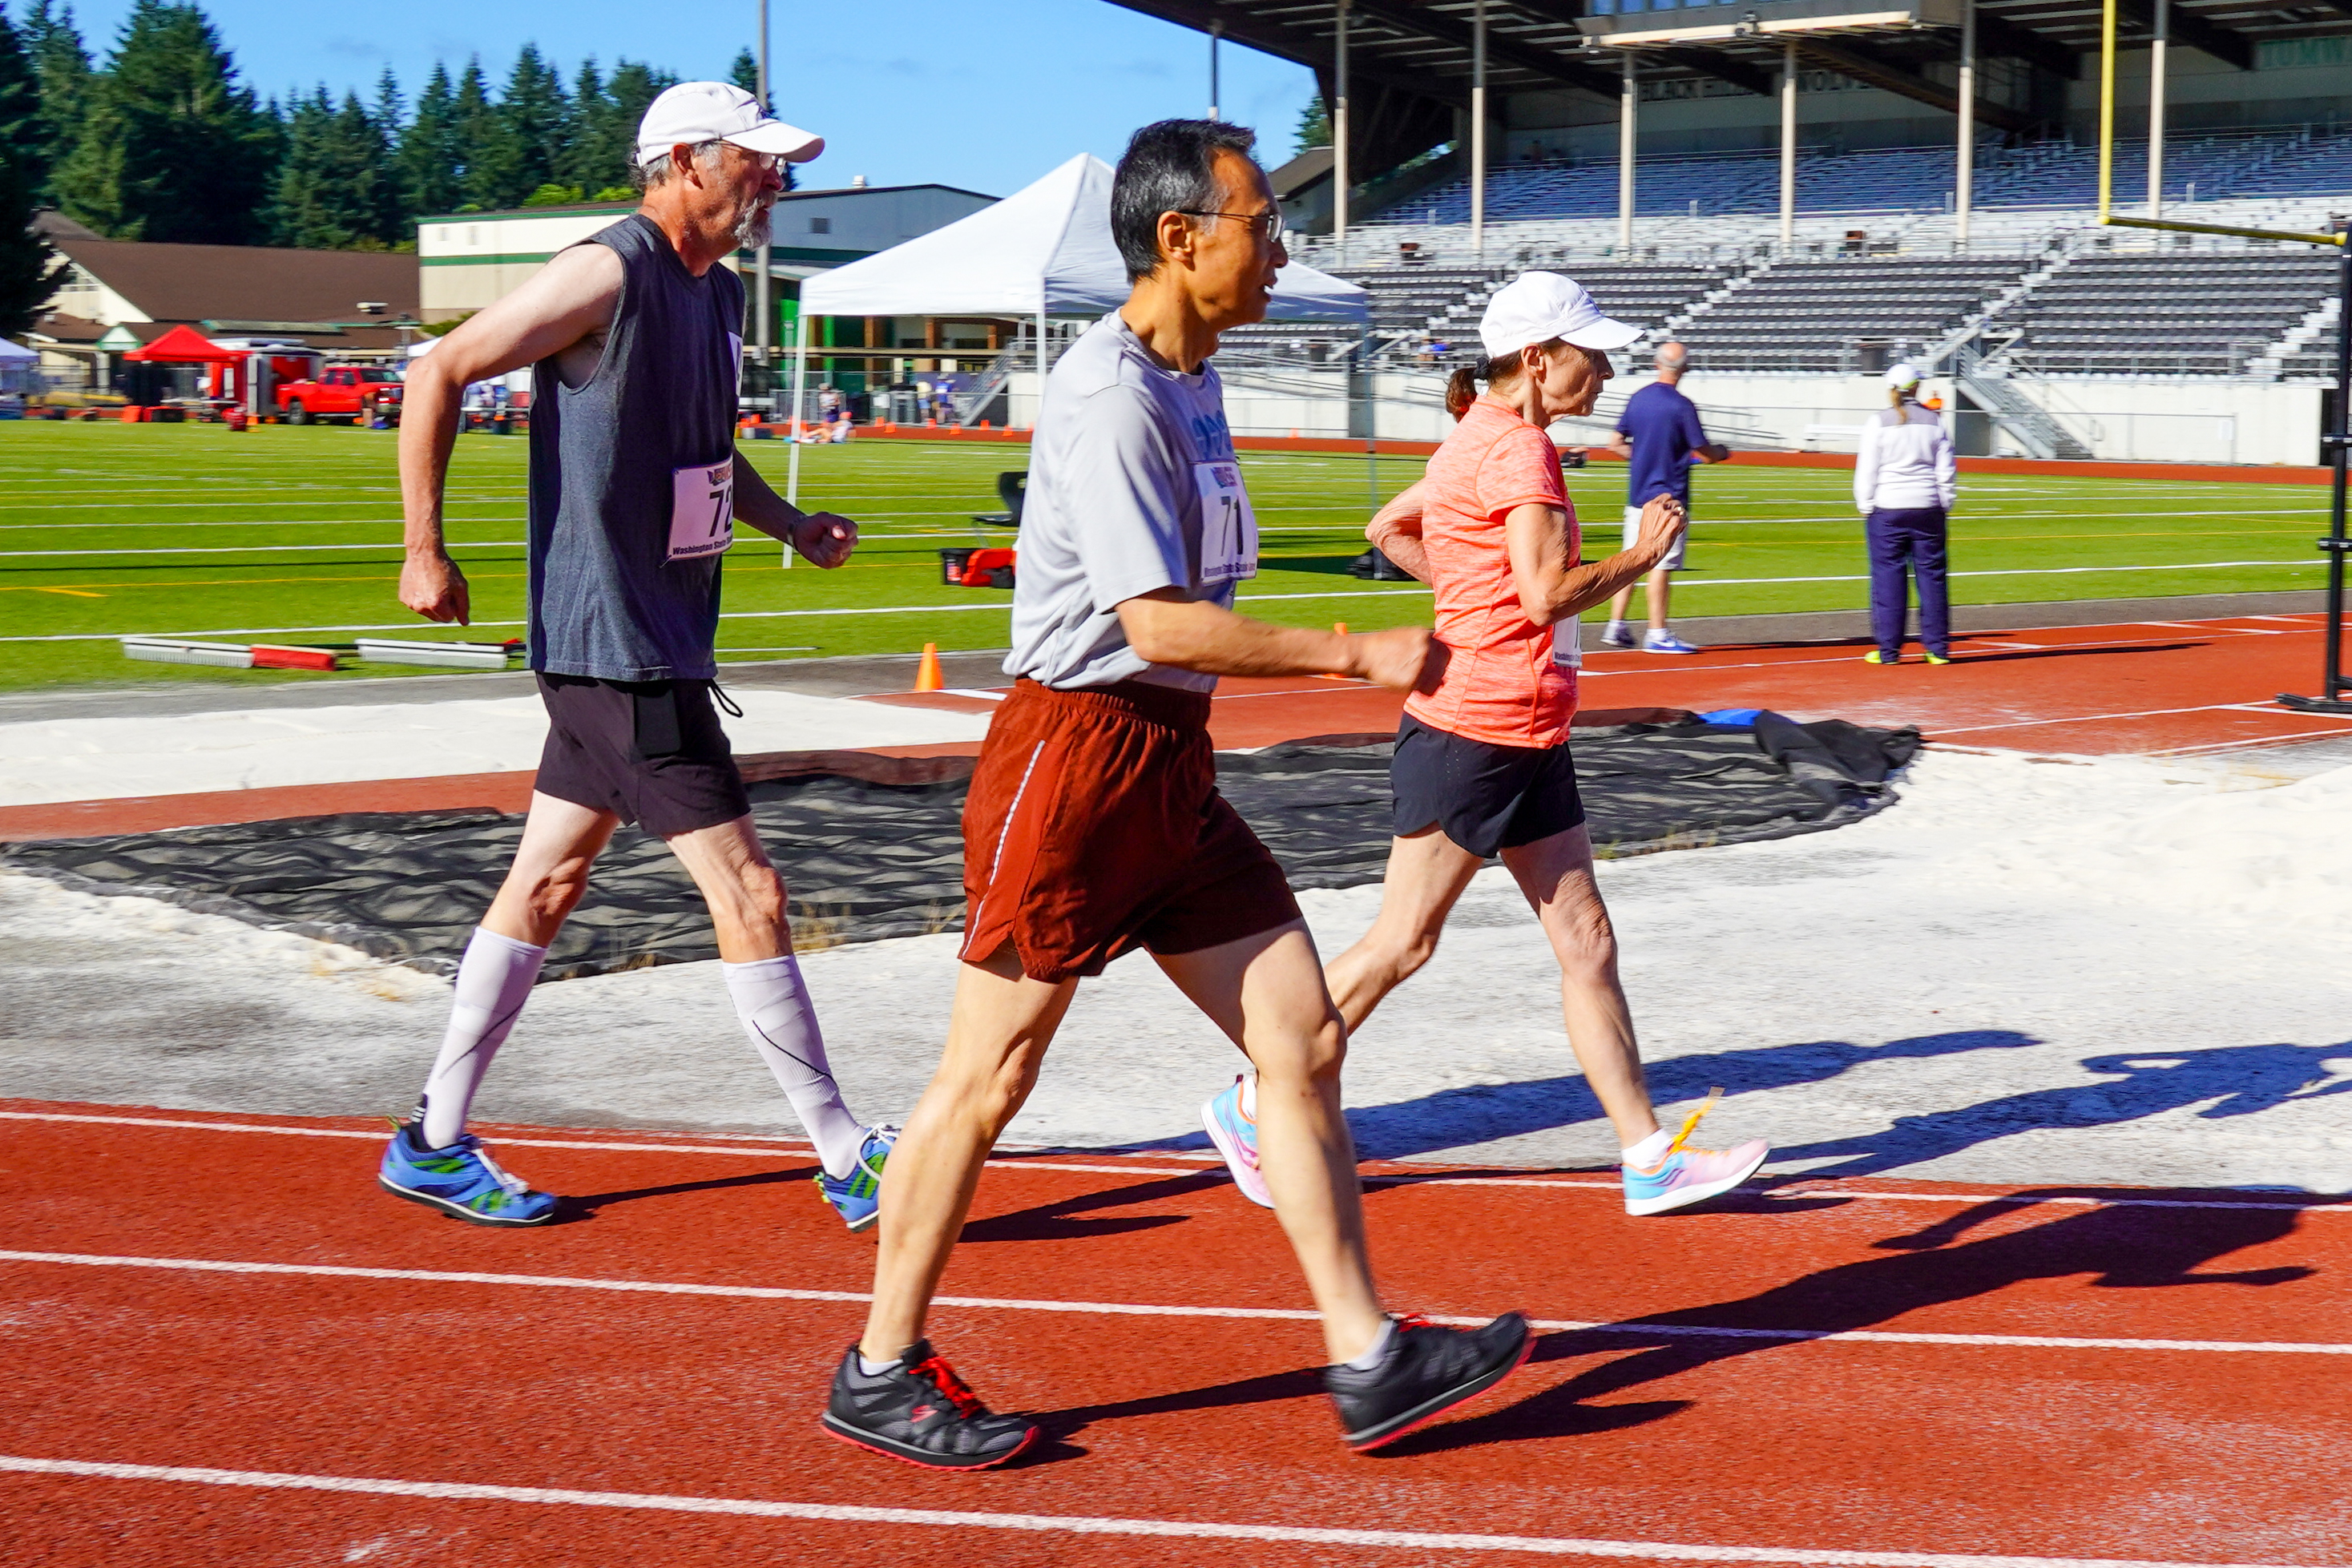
x: 1409, y: 60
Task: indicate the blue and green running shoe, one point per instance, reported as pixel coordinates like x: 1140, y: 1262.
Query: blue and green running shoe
x: 857, y: 1197
x: 460, y: 1180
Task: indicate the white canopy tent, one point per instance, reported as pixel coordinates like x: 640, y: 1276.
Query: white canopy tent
x: 1043, y: 251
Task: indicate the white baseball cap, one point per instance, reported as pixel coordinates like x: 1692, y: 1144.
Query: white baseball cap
x: 699, y: 111
x: 1905, y: 374
x: 1536, y: 307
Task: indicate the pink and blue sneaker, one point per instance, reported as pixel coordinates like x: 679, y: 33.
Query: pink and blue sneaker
x: 1691, y: 1175
x: 1234, y: 1132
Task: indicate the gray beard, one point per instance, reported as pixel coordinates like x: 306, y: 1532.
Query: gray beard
x: 752, y: 229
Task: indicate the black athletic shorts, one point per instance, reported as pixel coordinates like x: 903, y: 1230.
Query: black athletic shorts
x: 1488, y: 797
x: 650, y: 752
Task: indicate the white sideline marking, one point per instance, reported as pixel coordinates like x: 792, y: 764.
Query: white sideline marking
x: 1636, y: 1329
x: 1074, y: 1524
x: 1397, y: 1180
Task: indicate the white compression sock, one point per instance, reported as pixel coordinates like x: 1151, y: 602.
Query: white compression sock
x: 774, y: 1004
x: 1649, y: 1151
x: 494, y: 981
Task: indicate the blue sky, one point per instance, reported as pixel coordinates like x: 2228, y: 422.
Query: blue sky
x: 985, y: 94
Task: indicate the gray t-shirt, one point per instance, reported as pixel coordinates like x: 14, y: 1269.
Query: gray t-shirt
x: 1124, y: 452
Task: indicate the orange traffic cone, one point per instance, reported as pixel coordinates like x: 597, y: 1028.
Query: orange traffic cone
x: 1339, y: 628
x: 928, y: 677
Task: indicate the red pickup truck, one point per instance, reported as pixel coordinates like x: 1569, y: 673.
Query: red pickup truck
x: 355, y: 393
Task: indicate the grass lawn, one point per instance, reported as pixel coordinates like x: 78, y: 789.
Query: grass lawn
x: 292, y: 535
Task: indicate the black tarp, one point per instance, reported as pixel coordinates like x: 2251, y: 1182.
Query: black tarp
x: 876, y: 852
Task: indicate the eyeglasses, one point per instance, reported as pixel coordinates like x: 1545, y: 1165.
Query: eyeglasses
x: 1270, y: 221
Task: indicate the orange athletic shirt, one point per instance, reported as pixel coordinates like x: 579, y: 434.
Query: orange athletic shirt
x: 1500, y: 685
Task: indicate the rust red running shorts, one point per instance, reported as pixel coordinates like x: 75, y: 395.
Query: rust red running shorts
x: 1093, y: 827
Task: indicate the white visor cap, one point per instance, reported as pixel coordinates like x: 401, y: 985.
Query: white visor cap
x: 1906, y: 374
x: 1536, y: 307
x: 699, y: 111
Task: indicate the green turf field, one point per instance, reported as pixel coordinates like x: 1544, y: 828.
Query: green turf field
x: 292, y: 535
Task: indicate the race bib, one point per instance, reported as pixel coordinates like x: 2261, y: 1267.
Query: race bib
x: 1567, y: 642
x: 1228, y: 526
x: 702, y: 510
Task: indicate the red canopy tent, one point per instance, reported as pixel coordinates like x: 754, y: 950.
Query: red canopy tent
x: 185, y: 345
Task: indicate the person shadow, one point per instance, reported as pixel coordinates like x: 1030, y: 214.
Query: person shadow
x: 1481, y: 1113
x: 2120, y: 1247
x: 2239, y: 1081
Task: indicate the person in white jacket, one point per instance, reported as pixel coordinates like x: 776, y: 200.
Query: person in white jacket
x: 1903, y: 483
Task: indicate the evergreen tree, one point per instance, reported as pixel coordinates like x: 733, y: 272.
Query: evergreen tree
x: 536, y: 115
x: 633, y: 90
x: 478, y: 137
x: 745, y: 72
x: 337, y: 189
x: 62, y: 64
x: 431, y: 165
x: 172, y: 147
x: 1314, y: 125
x: 575, y: 162
x: 30, y: 270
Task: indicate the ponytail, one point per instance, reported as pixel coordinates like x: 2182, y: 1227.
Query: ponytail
x: 1895, y: 395
x: 1462, y: 388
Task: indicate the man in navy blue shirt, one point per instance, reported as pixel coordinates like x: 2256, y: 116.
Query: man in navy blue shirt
x: 1659, y: 437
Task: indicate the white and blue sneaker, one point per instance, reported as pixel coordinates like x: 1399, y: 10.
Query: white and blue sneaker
x: 1234, y: 1132
x: 461, y: 1180
x: 1665, y: 643
x: 1617, y: 634
x: 857, y: 1197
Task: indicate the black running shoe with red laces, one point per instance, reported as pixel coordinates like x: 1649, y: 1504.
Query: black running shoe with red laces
x: 1428, y: 1370
x: 920, y: 1411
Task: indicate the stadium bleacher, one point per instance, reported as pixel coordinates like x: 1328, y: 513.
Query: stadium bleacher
x: 1833, y: 315
x: 2190, y: 313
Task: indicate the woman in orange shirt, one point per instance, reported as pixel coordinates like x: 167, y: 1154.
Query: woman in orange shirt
x: 1482, y: 762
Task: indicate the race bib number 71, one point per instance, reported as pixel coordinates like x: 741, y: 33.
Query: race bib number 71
x: 1228, y: 526
x: 702, y: 510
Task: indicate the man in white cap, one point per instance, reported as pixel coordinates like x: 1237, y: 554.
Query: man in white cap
x: 1659, y: 437
x: 635, y: 337
x: 1482, y: 765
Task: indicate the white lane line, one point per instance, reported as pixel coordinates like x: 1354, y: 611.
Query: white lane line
x: 249, y: 549
x: 1632, y: 1329
x: 1206, y: 1161
x: 1071, y: 1524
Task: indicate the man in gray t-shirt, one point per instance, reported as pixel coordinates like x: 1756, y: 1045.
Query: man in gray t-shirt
x: 1094, y: 825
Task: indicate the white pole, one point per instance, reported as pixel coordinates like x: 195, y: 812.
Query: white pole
x: 792, y: 425
x: 1339, y: 130
x: 1964, y: 175
x: 1788, y: 148
x: 1044, y: 365
x: 2156, y: 64
x: 1216, y: 97
x: 1478, y: 129
x: 762, y: 296
x: 1628, y: 96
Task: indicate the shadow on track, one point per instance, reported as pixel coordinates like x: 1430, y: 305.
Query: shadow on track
x: 577, y: 1206
x: 1058, y: 1222
x: 2123, y: 1248
x: 2240, y: 1081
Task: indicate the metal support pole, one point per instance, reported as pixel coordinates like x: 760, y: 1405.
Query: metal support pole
x: 1788, y: 148
x: 1045, y: 365
x: 2156, y: 64
x: 761, y: 298
x: 1216, y: 97
x: 792, y: 421
x: 1628, y: 98
x: 1478, y: 129
x: 1339, y: 128
x: 1964, y: 174
x: 2337, y: 439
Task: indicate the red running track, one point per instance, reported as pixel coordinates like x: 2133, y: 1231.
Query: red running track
x: 2166, y: 687
x: 2009, y: 1380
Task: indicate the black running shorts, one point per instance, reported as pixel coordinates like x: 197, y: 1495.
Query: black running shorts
x: 1486, y: 798
x: 650, y: 752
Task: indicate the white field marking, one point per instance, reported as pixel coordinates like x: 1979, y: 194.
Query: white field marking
x: 1070, y: 1524
x: 1634, y: 1329
x: 2097, y: 717
x: 249, y: 549
x: 2257, y: 742
x: 769, y: 1150
x: 976, y: 692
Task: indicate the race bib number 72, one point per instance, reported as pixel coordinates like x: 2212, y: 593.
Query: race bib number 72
x: 1228, y: 526
x: 702, y: 510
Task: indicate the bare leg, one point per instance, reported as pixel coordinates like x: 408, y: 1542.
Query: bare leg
x: 738, y: 882
x: 560, y: 842
x: 1620, y: 602
x: 1266, y: 993
x: 997, y: 1037
x: 1556, y: 874
x: 1662, y: 593
x: 1426, y: 873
